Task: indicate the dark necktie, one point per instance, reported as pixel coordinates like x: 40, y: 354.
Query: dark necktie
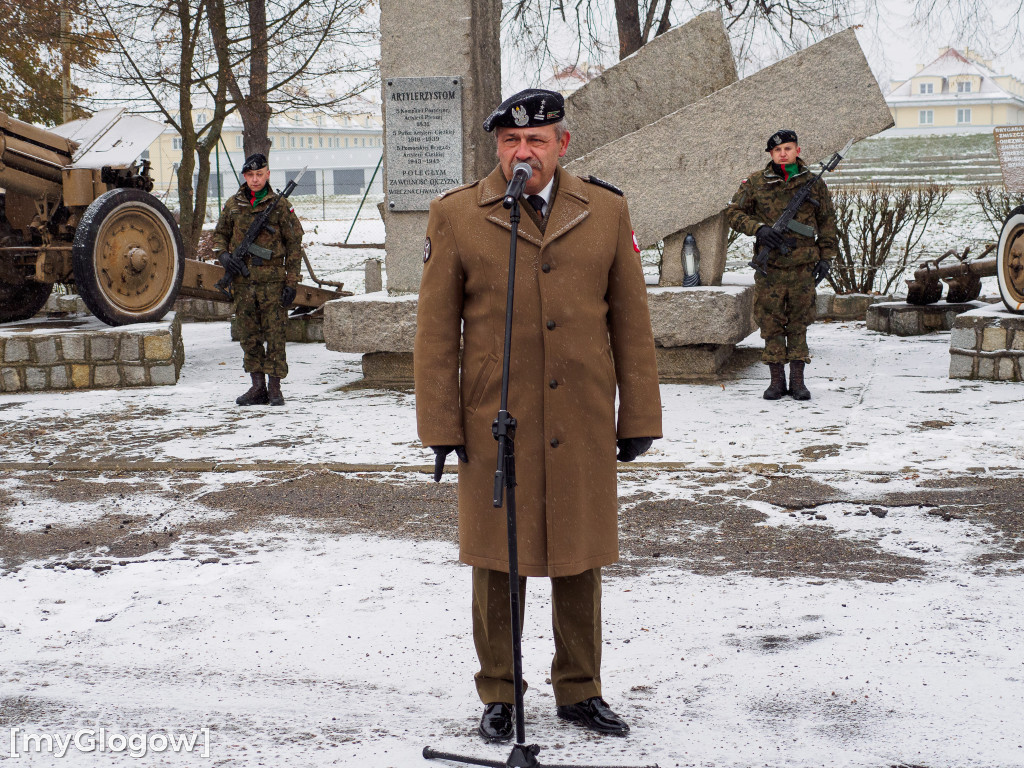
x: 537, y: 202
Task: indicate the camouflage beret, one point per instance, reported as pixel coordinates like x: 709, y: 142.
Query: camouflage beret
x: 781, y: 136
x: 254, y: 162
x: 527, y: 109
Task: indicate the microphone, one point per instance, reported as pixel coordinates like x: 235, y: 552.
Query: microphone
x: 521, y: 174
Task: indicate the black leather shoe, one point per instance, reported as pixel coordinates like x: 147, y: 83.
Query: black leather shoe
x: 496, y: 723
x: 595, y: 714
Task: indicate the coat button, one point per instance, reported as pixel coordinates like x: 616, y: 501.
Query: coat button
x: 554, y: 442
x: 553, y: 384
x: 551, y: 325
x: 545, y: 268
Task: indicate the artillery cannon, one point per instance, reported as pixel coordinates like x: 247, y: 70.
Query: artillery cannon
x: 75, y: 206
x: 963, y: 276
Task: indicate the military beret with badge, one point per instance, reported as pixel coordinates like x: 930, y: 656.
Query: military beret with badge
x: 781, y: 136
x: 254, y: 162
x: 531, y: 108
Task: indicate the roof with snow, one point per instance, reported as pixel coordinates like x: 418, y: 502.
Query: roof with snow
x: 952, y: 64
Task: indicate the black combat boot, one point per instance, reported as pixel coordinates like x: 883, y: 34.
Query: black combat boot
x: 257, y: 393
x: 778, y: 386
x: 796, y: 381
x: 274, y: 390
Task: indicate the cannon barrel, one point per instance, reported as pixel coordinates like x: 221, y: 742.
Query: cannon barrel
x: 31, y: 158
x: 962, y: 276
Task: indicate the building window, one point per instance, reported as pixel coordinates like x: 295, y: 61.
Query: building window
x: 238, y: 141
x: 927, y: 88
x: 293, y: 142
x: 963, y: 116
x: 320, y: 139
x: 176, y: 142
x: 926, y: 116
x: 346, y: 142
x: 201, y: 118
x: 309, y: 142
x: 963, y: 87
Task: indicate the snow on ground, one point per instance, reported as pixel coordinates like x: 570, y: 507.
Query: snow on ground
x: 880, y: 404
x: 311, y: 650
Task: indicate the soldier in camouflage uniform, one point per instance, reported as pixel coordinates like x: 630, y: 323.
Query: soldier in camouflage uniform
x: 784, y: 299
x: 263, y: 298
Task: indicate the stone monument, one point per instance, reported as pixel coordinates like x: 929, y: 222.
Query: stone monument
x: 631, y: 126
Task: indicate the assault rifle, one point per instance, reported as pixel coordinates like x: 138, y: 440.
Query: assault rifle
x: 248, y: 246
x: 785, y: 221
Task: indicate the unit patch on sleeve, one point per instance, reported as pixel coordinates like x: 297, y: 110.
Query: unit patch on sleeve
x: 426, y: 251
x: 636, y: 245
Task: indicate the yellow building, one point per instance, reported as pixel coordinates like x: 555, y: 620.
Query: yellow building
x: 342, y: 153
x: 956, y: 93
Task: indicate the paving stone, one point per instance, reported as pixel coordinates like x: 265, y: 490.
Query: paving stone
x: 963, y: 338
x: 107, y: 376
x: 134, y: 375
x: 993, y: 339
x: 961, y: 366
x: 158, y: 347
x: 102, y: 347
x: 58, y: 377
x: 35, y: 378
x: 130, y: 348
x: 1005, y: 369
x: 80, y: 376
x: 16, y: 351
x: 10, y: 379
x: 46, y: 351
x: 73, y: 347
x: 162, y: 374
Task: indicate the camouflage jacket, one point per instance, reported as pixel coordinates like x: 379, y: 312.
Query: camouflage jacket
x: 763, y: 197
x: 285, y: 242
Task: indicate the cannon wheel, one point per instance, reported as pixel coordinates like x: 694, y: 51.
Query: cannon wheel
x: 1010, y: 261
x: 128, y: 258
x: 19, y: 302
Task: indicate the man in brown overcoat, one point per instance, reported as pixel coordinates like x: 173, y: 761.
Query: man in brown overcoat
x: 580, y: 328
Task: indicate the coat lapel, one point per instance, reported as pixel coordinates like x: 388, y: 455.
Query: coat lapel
x: 492, y: 190
x: 569, y: 208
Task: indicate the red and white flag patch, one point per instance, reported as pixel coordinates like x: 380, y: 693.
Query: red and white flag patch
x: 636, y: 245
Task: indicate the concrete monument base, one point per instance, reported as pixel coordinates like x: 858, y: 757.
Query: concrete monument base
x: 84, y: 353
x: 987, y: 343
x: 695, y: 329
x: 902, y: 319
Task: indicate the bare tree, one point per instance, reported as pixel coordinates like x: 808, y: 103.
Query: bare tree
x: 294, y: 54
x: 758, y: 28
x: 995, y: 28
x: 164, y: 61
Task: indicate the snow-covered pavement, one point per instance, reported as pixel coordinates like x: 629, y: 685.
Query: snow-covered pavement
x: 832, y: 583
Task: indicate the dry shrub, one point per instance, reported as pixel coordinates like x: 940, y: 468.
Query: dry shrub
x: 996, y: 202
x: 879, y: 227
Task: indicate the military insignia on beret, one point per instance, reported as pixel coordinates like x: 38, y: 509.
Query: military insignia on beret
x: 636, y: 245
x: 519, y: 116
x: 426, y: 251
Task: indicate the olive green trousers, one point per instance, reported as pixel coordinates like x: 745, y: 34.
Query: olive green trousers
x: 575, y: 619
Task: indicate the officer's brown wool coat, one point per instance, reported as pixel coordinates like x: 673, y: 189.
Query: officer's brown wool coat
x: 580, y: 303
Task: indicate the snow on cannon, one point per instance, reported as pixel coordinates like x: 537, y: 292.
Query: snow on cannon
x: 75, y: 207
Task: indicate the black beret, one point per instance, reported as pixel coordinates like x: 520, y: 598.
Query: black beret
x: 781, y: 136
x: 254, y: 162
x: 527, y: 109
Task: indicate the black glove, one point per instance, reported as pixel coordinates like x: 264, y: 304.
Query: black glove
x: 821, y: 270
x: 287, y: 295
x: 631, y: 447
x: 768, y: 236
x: 231, y: 263
x: 441, y: 453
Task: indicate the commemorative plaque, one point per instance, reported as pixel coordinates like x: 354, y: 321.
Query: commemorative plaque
x: 422, y: 138
x: 1010, y: 146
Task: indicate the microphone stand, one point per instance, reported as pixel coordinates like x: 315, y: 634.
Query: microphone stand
x: 503, y: 428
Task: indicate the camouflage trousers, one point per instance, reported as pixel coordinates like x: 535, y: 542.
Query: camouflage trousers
x: 260, y: 319
x: 783, y: 308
